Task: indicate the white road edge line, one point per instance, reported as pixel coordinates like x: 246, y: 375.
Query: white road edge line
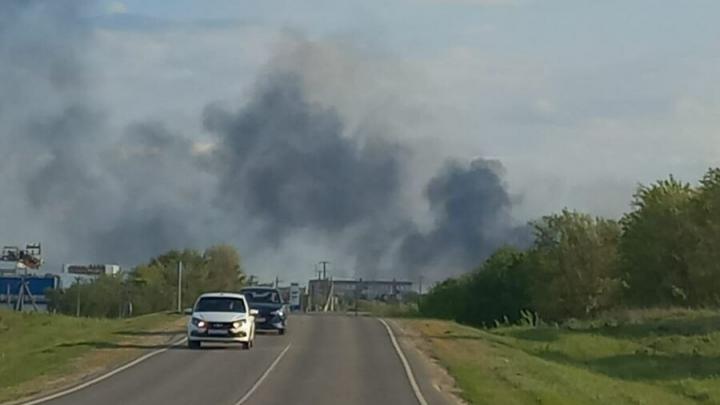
x: 263, y: 377
x: 104, y: 376
x: 411, y: 377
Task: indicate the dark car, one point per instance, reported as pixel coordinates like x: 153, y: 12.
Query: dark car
x: 272, y: 311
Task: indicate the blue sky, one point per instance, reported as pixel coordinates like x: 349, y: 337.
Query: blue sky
x: 549, y: 27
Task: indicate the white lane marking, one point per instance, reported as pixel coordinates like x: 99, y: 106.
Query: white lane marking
x: 411, y: 377
x: 263, y: 377
x: 104, y: 376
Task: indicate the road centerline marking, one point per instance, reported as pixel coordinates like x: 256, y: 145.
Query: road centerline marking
x: 406, y: 365
x: 263, y: 377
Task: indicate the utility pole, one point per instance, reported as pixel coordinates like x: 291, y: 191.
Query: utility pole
x: 420, y: 289
x: 179, y: 287
x: 358, y: 290
x: 324, y: 264
x: 77, y: 297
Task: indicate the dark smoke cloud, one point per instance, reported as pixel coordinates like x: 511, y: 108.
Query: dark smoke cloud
x: 472, y: 212
x: 287, y: 161
x: 281, y: 162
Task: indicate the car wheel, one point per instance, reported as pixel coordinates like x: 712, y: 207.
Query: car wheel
x: 281, y: 331
x: 194, y: 344
x: 245, y: 345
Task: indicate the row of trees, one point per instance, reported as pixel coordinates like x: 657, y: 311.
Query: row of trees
x: 665, y: 252
x: 152, y: 287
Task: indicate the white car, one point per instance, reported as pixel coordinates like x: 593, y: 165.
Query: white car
x: 221, y: 317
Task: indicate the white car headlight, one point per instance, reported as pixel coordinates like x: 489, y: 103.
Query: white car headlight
x: 238, y: 324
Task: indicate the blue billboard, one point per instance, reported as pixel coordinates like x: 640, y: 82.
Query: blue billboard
x: 37, y: 285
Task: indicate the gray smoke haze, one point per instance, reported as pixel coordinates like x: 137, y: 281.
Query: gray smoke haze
x: 68, y: 181
x: 277, y: 167
x: 46, y: 122
x: 286, y: 161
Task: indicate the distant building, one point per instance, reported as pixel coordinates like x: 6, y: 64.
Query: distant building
x: 293, y: 296
x: 371, y: 289
x: 349, y: 290
x: 22, y: 281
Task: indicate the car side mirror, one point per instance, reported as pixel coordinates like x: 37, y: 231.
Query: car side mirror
x: 254, y: 312
x: 188, y: 311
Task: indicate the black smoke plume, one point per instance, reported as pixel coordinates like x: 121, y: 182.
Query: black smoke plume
x: 288, y: 162
x: 472, y: 218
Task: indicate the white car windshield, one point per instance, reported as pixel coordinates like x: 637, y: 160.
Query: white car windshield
x: 220, y: 304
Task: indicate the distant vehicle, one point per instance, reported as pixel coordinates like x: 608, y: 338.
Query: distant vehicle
x: 272, y: 311
x: 223, y: 318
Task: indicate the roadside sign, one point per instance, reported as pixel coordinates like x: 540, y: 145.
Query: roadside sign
x: 294, y: 297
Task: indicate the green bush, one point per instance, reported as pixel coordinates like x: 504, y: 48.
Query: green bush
x: 498, y: 289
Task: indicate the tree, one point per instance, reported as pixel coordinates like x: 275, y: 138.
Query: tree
x: 101, y: 297
x: 666, y: 251
x: 575, y: 265
x: 704, y: 256
x: 495, y: 291
x: 224, y: 269
x: 656, y: 243
x: 444, y: 300
x: 150, y: 289
x: 499, y: 289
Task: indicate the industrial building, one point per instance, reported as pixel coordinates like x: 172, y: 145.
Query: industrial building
x: 350, y: 290
x: 22, y: 282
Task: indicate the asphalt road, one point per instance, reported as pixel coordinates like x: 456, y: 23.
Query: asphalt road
x: 327, y: 359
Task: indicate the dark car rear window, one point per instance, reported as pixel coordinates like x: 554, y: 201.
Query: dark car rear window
x: 262, y: 296
x: 220, y: 304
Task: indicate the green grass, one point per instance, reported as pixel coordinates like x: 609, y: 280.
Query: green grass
x: 36, y: 349
x: 655, y: 358
x: 389, y: 309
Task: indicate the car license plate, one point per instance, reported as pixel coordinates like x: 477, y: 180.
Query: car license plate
x: 259, y: 320
x: 217, y: 332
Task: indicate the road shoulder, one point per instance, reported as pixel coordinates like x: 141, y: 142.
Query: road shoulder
x: 435, y: 383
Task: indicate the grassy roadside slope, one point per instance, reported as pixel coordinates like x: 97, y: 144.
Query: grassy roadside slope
x: 670, y: 360
x: 41, y: 352
x: 382, y: 309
